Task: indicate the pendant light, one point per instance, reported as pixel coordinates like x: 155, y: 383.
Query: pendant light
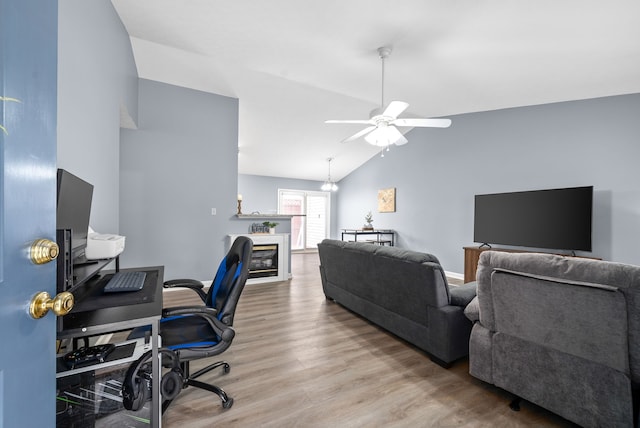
x: 329, y: 186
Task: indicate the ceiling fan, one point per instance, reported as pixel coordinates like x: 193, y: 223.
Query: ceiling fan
x: 382, y: 122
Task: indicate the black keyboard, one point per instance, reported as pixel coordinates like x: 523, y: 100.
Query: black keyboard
x: 125, y: 281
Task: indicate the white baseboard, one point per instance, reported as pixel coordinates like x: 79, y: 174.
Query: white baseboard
x: 454, y: 275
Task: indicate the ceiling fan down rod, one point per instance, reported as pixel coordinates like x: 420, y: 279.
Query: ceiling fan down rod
x: 383, y: 52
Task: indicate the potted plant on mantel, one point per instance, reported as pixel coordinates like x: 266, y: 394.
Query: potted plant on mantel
x: 369, y: 219
x: 271, y: 225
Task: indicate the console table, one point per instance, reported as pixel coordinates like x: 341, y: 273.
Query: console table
x: 471, y: 257
x: 382, y: 236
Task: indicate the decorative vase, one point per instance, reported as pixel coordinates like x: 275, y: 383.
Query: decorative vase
x: 272, y: 230
x: 367, y: 226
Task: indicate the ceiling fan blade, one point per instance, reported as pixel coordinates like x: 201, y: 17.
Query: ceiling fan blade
x: 395, y: 108
x: 396, y: 136
x: 363, y: 121
x: 433, y: 123
x: 402, y: 141
x: 359, y: 134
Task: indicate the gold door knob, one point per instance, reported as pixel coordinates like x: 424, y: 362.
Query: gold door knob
x: 42, y: 302
x: 43, y: 251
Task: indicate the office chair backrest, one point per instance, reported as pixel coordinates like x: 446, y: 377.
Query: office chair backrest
x: 230, y: 279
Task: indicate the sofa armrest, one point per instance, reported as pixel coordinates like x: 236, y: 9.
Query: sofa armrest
x: 449, y: 331
x: 462, y: 295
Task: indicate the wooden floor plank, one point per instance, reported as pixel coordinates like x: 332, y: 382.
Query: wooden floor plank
x: 299, y: 360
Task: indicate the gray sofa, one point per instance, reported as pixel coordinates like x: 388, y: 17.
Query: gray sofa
x: 561, y: 332
x: 405, y: 292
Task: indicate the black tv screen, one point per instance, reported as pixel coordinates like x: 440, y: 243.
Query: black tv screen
x: 553, y: 218
x: 74, y: 208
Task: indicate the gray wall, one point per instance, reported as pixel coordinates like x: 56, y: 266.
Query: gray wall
x: 187, y: 154
x: 180, y: 162
x: 260, y: 194
x: 96, y: 76
x: 436, y: 175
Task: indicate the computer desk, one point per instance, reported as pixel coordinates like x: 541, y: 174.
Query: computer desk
x: 96, y: 313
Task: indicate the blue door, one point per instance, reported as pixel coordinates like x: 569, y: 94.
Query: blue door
x: 28, y: 73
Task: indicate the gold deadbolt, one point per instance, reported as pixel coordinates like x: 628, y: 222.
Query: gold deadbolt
x: 43, y: 251
x: 42, y: 302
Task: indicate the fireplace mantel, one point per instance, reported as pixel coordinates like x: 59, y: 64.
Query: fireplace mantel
x: 276, y: 216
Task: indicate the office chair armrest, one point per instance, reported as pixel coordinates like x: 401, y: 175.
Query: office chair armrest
x: 188, y: 310
x: 224, y: 332
x: 191, y: 284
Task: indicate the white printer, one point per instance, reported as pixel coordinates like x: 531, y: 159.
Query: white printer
x: 103, y: 246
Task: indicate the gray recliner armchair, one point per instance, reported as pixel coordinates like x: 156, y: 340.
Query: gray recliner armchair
x: 561, y: 332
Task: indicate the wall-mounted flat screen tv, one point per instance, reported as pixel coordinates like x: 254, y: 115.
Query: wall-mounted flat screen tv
x: 551, y: 219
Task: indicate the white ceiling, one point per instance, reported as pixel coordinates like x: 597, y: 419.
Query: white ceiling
x: 295, y: 63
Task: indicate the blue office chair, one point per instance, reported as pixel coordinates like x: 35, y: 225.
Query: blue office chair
x: 195, y: 332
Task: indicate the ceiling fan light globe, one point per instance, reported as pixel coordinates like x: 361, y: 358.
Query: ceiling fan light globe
x: 376, y: 140
x: 383, y: 136
x: 381, y: 143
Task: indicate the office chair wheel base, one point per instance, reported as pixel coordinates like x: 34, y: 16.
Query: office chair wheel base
x: 228, y: 403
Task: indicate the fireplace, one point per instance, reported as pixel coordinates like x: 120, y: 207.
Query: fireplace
x: 270, y: 260
x: 264, y: 261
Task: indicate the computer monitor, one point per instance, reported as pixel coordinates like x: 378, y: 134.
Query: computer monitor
x: 74, y: 209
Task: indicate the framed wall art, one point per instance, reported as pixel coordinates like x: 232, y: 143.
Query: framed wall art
x: 387, y: 200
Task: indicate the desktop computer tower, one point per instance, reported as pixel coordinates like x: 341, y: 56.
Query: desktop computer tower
x: 64, y: 268
x: 65, y: 260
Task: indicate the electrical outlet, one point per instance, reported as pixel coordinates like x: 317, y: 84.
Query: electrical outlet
x: 213, y: 211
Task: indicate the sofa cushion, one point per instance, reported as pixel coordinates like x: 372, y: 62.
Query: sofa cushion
x: 399, y: 280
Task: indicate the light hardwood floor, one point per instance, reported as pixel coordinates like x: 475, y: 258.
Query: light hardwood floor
x: 299, y: 360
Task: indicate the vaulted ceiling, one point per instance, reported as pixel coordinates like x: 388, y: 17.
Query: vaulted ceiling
x: 295, y: 63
